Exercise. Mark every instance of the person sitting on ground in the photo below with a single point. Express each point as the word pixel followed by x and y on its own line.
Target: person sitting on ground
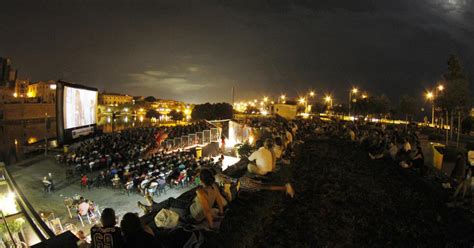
pixel 269 146
pixel 134 233
pixel 251 185
pixel 107 235
pixel 352 135
pixel 261 161
pixel 201 208
pixel 465 184
pixel 406 145
pixel 278 148
pixel 419 159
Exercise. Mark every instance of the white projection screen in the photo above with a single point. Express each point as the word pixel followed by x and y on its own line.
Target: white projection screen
pixel 80 107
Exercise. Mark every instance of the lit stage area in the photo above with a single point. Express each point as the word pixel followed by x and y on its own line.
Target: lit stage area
pixel 228 161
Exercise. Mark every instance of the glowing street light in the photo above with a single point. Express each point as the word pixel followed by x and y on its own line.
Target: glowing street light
pixel 353 91
pixel 302 100
pixel 440 87
pixel 265 99
pixel 328 99
pixel 311 93
pixel 429 95
pixel 282 98
pixel 364 96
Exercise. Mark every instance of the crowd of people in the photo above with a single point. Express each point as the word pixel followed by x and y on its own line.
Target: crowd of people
pixel 134 160
pixel 274 146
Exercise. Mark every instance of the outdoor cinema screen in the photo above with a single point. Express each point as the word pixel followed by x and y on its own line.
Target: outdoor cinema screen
pixel 80 107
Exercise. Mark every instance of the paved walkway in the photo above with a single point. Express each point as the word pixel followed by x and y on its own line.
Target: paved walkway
pixel 29 179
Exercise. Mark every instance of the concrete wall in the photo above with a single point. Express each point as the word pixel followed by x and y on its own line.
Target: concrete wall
pixel 27 111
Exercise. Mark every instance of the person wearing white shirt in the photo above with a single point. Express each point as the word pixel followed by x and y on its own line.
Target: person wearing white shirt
pixel 263 161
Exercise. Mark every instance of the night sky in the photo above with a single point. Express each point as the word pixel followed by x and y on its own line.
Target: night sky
pixel 196 51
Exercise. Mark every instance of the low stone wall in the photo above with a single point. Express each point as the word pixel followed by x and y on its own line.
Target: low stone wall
pixel 26 111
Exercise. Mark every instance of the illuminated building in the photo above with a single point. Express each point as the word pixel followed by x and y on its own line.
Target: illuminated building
pixel 44 92
pixel 114 99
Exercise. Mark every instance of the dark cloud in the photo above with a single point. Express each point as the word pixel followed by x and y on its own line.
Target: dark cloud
pixel 197 50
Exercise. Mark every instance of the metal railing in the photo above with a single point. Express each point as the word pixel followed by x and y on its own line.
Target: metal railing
pixel 32 217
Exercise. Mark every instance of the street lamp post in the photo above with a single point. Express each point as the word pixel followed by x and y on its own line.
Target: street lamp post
pixel 438 89
pixel 305 102
pixel 328 99
pixel 351 92
pixel 430 97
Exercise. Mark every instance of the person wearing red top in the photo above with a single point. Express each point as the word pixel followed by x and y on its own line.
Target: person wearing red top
pixel 84 181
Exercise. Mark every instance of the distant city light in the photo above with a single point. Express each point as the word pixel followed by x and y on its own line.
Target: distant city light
pixel 355 90
pixel 52 86
pixel 441 87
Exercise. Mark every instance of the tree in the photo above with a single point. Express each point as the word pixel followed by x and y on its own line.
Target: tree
pixel 215 111
pixel 176 116
pixel 150 99
pixel 379 105
pixel 340 109
pixel 408 106
pixel 375 105
pixel 151 113
pixel 318 107
pixel 361 106
pixel 251 110
pixel 456 93
pixel 455 97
